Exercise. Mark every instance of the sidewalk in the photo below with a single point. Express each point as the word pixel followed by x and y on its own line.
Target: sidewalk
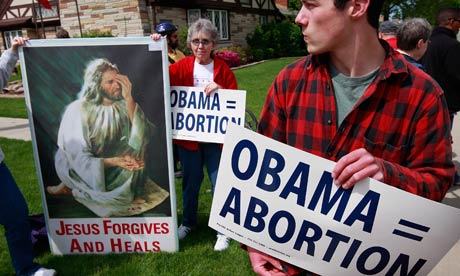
pixel 449 265
pixel 15 128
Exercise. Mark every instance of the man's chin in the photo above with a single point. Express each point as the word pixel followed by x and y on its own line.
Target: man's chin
pixel 315 50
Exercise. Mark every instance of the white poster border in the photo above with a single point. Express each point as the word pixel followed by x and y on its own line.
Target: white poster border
pixel 170 238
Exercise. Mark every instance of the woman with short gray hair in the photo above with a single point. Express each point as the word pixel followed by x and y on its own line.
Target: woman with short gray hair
pixel 203 69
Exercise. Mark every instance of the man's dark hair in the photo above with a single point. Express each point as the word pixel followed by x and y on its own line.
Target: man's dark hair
pixel 373 12
pixel 445 14
pixel 411 31
pixel 62 33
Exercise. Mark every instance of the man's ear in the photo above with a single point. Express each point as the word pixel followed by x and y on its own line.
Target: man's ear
pixel 419 43
pixel 358 8
pixel 450 23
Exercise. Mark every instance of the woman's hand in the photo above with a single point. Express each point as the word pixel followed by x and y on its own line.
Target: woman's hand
pixel 18 41
pixel 211 87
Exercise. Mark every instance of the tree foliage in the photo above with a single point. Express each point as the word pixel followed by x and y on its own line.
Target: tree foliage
pixel 294 5
pixel 276 39
pixel 401 9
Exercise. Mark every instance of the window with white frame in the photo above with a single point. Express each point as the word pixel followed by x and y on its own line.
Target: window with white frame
pixel 193 15
pixel 220 19
pixel 9 35
pixel 40 12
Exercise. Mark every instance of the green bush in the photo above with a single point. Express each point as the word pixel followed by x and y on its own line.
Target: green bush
pixel 276 39
pixel 183 41
pixel 17 74
pixel 269 53
pixel 257 54
pixel 97 33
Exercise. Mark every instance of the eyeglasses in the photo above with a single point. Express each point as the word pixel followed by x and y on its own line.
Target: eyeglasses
pixel 197 42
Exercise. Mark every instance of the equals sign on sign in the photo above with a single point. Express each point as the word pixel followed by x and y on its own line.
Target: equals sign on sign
pixel 410 226
pixel 231 104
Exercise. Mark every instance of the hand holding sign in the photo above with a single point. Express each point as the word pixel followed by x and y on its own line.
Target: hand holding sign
pixel 266 265
pixel 211 87
pixel 356 166
pixel 202 114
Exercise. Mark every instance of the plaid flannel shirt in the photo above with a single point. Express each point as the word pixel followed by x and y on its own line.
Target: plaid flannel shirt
pixel 402 119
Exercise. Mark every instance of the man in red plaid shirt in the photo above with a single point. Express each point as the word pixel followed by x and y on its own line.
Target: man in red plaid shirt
pixel 356 101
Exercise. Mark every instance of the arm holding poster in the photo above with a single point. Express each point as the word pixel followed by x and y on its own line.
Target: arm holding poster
pixel 13 207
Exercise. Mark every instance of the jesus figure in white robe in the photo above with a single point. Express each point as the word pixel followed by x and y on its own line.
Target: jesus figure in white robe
pixel 101 143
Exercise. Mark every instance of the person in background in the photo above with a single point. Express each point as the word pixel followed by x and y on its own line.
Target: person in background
pixel 203 69
pixel 169 30
pixel 413 38
pixel 374 114
pixel 442 60
pixel 172 37
pixel 14 213
pixel 387 32
pixel 62 33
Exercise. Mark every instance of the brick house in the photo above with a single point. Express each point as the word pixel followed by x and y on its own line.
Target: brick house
pixel 235 19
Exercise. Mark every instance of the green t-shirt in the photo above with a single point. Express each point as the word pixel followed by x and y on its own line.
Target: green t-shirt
pixel 348 90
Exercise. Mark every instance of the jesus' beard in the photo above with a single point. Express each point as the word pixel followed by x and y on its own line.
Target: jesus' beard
pixel 112 97
pixel 107 125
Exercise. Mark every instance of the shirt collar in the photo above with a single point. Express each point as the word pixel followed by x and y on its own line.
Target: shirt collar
pixel 394 62
pixel 444 30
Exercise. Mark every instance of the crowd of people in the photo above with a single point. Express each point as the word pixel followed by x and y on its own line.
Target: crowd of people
pixel 434 50
pixel 402 77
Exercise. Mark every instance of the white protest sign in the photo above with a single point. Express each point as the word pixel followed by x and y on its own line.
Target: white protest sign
pixel 202 118
pixel 282 201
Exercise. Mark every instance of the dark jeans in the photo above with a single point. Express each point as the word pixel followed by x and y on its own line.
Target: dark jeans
pixel 14 216
pixel 192 163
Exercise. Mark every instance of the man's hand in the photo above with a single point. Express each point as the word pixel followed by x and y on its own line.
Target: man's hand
pixel 18 41
pixel 155 36
pixel 356 166
pixel 125 85
pixel 126 162
pixel 265 265
pixel 211 87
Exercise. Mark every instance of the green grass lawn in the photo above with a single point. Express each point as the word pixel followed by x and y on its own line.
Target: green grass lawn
pixel 14 108
pixel 257 79
pixel 196 255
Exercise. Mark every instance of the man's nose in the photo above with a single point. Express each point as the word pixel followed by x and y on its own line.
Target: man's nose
pixel 301 18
